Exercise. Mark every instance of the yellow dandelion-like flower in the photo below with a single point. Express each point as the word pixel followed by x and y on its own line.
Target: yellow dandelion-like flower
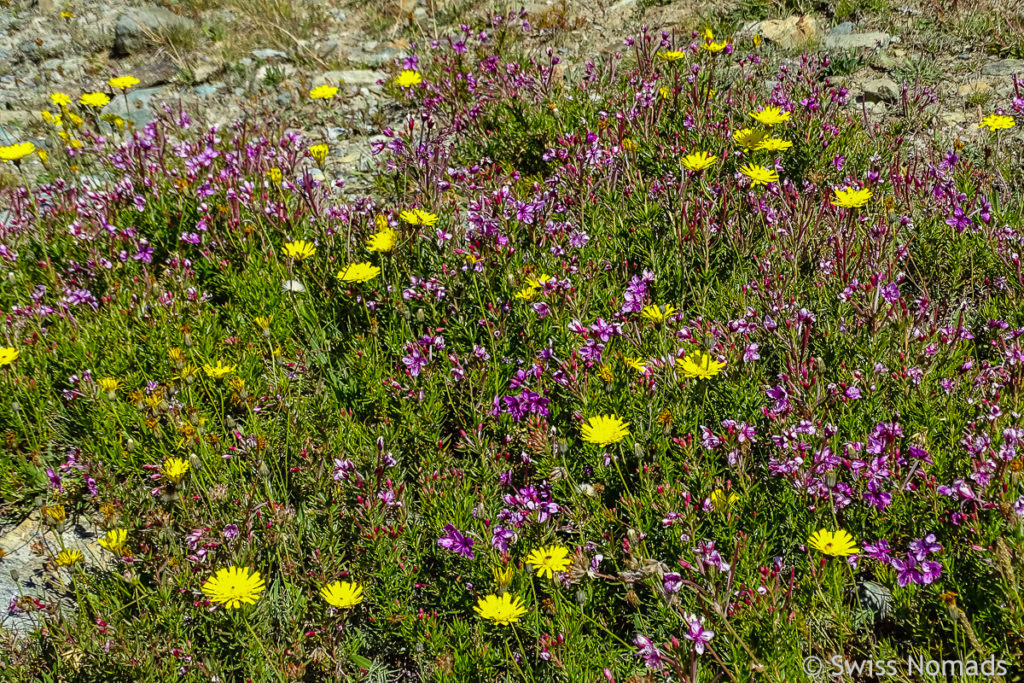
pixel 851 198
pixel 323 92
pixel 773 145
pixel 503 610
pixel 175 469
pixel 672 55
pixel 759 175
pixel 418 217
pixel 299 250
pixel 359 272
pixel 69 558
pixel 8 355
pixel 698 161
pixel 628 145
pixel 723 501
pixel 274 175
pixel 549 560
pixel 95 99
pixel 382 242
pixel 715 47
pixel 526 293
pixel 54 514
pixel 114 540
pixel 996 122
pixel 234 586
pixel 219 370
pixel 769 116
pixel 657 314
pixel 123 82
pixel 665 91
pixel 637 364
pixel 263 321
pixel 503 577
pixel 319 152
pixel 836 544
pixel 408 78
pixel 604 430
pixel 43 156
pixel 109 384
pixel 699 365
pixel 342 594
pixel 60 99
pixel 16 152
pixel 749 138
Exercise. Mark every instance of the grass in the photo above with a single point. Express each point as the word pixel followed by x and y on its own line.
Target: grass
pixel 420 430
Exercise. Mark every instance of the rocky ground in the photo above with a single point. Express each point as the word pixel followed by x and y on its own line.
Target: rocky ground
pixel 223 60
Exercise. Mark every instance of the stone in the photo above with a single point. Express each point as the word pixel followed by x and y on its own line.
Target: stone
pixel 155 73
pixel 974 89
pixel 789 33
pixel 329 49
pixel 349 77
pixel 207 90
pixel 843 29
pixel 881 90
pixel 205 71
pixel 1004 67
pixel 135 29
pixel 23 572
pixel 857 41
pixel 138 108
pixel 267 54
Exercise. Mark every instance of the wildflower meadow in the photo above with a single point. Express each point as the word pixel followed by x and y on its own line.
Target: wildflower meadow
pixel 675 367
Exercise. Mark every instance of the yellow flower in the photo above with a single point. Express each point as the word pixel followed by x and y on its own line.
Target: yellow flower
pixel 672 55
pixel 176 355
pixel 418 217
pixel 408 78
pixel 503 610
pixel 628 145
pixel 721 501
pixel 299 250
pixel 342 594
pixel 770 116
pixel 757 40
pixel 323 92
pixel 16 152
pixel 67 15
pixel 656 313
pixel 175 469
pixel 95 99
pixel 219 370
pixel 54 514
pixel 547 561
pixel 234 586
pixel 604 430
pixel 698 161
pixel 708 33
pixel 359 272
pixel 637 364
pixel 43 156
pixel 665 91
pixel 319 152
pixel 851 198
pixel 526 293
pixel 123 82
pixel 715 47
pixel 60 99
pixel 274 174
pixel 748 138
pixel 263 321
pixel 996 122
pixel 114 540
pixel 700 365
pixel 838 544
pixel 759 175
pixel 503 577
pixel 773 145
pixel 68 558
pixel 8 355
pixel 383 241
pixel 109 384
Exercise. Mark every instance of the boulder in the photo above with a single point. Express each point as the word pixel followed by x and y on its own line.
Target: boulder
pixel 790 33
pixel 881 90
pixel 136 29
pixel 857 41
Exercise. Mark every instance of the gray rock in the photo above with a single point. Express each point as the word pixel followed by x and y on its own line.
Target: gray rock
pixel 268 54
pixel 857 41
pixel 139 108
pixel 843 29
pixel 1003 67
pixel 350 77
pixel 329 49
pixel 207 90
pixel 790 33
pixel 881 90
pixel 135 29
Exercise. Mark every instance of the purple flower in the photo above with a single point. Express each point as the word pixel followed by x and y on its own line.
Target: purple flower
pixel 646 649
pixel 456 542
pixel 922 547
pixel 230 532
pixel 697 634
pixel 673 583
pixel 500 537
